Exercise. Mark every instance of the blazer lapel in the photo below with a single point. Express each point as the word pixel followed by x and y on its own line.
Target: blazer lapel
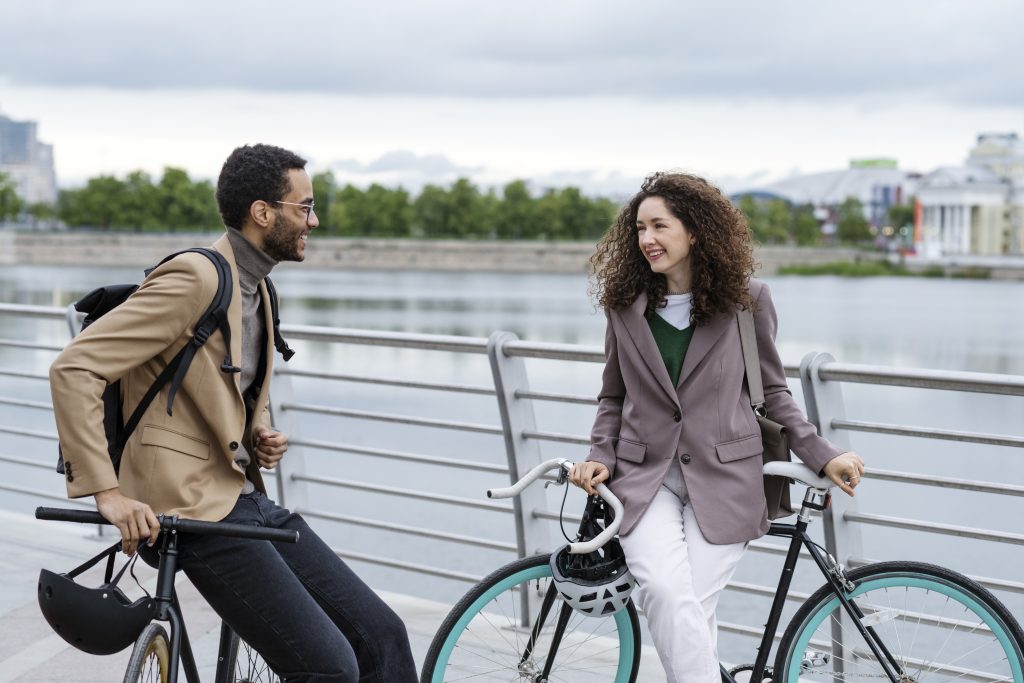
pixel 703 341
pixel 640 334
pixel 269 348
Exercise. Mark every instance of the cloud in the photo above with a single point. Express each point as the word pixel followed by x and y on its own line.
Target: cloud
pixel 729 50
pixel 405 161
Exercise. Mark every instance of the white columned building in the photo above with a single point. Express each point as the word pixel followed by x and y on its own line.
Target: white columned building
pixel 975 208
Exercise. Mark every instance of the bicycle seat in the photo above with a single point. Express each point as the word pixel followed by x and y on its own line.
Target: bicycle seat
pixel 799 472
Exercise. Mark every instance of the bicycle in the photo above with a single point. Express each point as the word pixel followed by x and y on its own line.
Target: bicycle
pixel 156 655
pixel 907 622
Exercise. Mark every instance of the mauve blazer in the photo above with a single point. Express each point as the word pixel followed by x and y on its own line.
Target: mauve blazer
pixel 705 422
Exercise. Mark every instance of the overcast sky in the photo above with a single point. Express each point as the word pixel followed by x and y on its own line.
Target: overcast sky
pixel 561 92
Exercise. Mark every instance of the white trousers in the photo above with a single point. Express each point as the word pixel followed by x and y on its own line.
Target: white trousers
pixel 680 576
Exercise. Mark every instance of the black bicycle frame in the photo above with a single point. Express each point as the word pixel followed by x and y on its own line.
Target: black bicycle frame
pixel 169 610
pixel 797 533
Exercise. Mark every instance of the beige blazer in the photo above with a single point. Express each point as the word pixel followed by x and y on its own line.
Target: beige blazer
pixel 181 465
pixel 705 422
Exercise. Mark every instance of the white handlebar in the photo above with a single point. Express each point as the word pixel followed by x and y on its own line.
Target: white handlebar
pixel 602 490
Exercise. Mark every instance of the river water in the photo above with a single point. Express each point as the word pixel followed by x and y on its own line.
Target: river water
pixel 905 322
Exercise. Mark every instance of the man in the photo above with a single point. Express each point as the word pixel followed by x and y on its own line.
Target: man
pixel 298 605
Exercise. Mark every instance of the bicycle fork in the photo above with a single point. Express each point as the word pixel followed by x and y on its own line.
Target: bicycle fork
pixel 556 638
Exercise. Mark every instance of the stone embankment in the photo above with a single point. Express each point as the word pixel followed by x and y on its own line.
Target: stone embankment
pixel 141 250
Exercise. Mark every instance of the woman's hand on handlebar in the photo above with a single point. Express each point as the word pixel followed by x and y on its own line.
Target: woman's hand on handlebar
pixel 587 475
pixel 133 518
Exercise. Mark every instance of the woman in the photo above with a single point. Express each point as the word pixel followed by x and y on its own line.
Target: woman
pixel 675 436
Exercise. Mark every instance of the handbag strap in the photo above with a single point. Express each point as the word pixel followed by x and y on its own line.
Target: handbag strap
pixel 751 361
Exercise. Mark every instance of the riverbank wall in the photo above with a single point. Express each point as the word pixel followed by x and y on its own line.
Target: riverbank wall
pixel 141 250
pixel 114 249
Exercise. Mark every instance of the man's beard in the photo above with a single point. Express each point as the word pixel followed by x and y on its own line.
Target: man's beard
pixel 281 242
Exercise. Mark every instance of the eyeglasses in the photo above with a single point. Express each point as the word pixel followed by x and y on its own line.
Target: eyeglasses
pixel 307 207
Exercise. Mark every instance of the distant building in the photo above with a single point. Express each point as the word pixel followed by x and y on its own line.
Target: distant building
pixel 28 162
pixel 877 183
pixel 977 208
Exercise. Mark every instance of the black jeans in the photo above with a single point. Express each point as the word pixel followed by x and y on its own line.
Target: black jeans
pixel 307 614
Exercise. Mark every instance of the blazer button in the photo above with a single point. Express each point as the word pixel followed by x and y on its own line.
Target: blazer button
pixel 233 446
pixel 686 458
pixel 677 416
pixel 71 477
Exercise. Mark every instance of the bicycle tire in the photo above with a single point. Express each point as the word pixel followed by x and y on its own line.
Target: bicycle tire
pixel 460 645
pixel 150 658
pixel 938 624
pixel 247 666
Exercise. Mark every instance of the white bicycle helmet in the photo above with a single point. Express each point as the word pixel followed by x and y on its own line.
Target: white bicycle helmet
pixel 594 584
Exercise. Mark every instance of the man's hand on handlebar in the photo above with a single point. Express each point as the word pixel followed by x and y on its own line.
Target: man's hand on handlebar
pixel 587 475
pixel 133 518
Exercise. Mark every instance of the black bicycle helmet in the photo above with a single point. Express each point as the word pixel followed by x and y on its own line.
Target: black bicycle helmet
pixel 100 621
pixel 594 584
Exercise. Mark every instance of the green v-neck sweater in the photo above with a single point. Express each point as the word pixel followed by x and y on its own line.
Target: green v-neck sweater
pixel 672 344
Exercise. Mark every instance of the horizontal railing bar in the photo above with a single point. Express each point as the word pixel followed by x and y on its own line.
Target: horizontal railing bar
pixel 935 528
pixel 44 494
pixel 945 482
pixel 29 463
pixel 55 312
pixel 22 403
pixel 553 516
pixel 404 493
pixel 961 673
pixel 775 549
pixel 407 384
pixel 549 351
pixel 557 398
pixel 408 566
pixel 35 346
pixel 419 532
pixel 744 630
pixel 392 418
pixel 7 372
pixel 986 581
pixel 555 437
pixel 401 455
pixel 949 380
pixel 765 591
pixel 929 433
pixel 27 432
pixel 407 340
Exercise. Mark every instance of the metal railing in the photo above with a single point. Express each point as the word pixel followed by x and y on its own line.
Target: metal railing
pixel 519 444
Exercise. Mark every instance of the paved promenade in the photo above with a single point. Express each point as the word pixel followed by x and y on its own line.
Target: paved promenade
pixel 31 653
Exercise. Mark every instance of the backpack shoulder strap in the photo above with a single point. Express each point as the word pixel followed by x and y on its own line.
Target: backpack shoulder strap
pixel 279 341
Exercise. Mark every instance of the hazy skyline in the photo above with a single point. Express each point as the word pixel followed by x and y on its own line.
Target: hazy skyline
pixel 594 94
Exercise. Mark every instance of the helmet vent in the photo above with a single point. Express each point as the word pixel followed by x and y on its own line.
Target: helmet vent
pixel 589 597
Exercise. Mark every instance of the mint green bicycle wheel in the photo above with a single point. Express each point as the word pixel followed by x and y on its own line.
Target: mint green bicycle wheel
pixel 486 636
pixel 930 624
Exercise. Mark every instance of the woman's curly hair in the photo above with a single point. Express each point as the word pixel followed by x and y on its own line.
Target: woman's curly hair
pixel 721 258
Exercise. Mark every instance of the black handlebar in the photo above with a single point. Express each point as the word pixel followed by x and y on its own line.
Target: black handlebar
pixel 190 526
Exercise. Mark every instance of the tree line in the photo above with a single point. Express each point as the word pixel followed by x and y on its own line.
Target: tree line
pixel 460 211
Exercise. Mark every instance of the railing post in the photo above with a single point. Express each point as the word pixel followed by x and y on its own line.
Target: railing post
pixel 290 493
pixel 824 403
pixel 523 454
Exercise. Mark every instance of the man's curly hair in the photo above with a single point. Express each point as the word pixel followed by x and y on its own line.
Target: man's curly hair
pixel 252 173
pixel 721 258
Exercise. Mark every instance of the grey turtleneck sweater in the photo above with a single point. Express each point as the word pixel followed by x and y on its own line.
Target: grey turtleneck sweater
pixel 253 266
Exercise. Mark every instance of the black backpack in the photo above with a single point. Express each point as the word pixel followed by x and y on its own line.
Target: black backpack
pixel 102 300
